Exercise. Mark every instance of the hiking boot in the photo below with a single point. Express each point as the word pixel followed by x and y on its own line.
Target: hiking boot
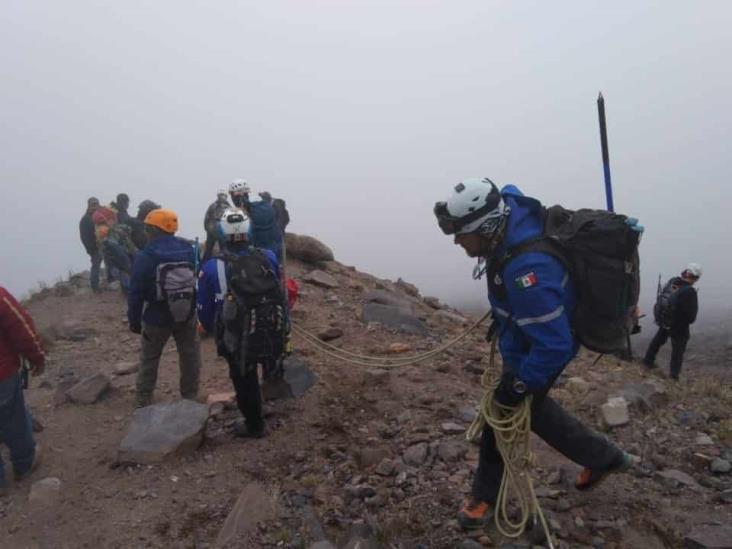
pixel 142 401
pixel 474 514
pixel 589 478
pixel 242 430
pixel 33 467
pixel 648 364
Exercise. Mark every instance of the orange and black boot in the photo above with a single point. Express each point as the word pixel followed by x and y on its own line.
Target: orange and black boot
pixel 589 478
pixel 474 514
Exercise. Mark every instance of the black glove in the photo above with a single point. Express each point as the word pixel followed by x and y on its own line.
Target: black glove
pixel 510 391
pixel 136 328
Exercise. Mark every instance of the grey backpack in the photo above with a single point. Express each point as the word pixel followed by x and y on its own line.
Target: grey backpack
pixel 175 283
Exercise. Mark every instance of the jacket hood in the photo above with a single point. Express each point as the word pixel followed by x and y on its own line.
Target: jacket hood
pixel 170 248
pixel 525 220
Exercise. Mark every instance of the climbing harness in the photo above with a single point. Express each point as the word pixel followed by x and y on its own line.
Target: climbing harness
pixel 384 362
pixel 511 427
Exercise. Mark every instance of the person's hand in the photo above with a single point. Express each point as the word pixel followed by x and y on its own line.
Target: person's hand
pixel 136 328
pixel 37 369
pixel 510 391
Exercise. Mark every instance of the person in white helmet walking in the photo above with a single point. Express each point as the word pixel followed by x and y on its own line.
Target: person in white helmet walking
pixel 675 310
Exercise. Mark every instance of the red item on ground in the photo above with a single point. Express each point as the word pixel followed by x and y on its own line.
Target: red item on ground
pixel 293 289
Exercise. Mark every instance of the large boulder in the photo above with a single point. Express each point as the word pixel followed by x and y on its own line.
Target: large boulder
pixel 393 317
pixel 307 249
pixel 89 390
pixel 158 431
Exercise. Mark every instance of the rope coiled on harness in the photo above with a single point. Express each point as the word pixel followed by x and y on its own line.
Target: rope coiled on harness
pixel 512 428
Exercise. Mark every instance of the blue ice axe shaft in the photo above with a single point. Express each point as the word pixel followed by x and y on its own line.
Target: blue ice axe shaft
pixel 605 154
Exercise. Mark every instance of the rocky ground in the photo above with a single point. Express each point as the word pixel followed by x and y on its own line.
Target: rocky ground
pixel 368 457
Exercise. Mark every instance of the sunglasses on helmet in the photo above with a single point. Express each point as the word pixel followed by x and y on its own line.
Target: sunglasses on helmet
pixel 451 224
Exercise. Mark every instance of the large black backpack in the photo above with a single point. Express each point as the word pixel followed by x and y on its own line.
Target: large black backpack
pixel 251 326
pixel 600 251
pixel 666 302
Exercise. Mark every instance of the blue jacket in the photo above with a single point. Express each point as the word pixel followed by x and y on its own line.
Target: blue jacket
pixel 264 232
pixel 535 337
pixel 142 293
pixel 212 287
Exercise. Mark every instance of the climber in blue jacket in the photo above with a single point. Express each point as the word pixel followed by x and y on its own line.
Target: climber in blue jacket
pixel 532 300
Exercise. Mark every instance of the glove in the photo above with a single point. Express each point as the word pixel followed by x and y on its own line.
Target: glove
pixel 510 391
pixel 136 328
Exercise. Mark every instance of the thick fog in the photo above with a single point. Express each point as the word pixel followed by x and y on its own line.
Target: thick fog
pixel 363 114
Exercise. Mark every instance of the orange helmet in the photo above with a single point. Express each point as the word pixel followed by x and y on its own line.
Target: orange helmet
pixel 164 219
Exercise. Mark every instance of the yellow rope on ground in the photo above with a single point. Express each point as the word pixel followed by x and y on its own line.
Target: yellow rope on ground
pixel 384 362
pixel 511 427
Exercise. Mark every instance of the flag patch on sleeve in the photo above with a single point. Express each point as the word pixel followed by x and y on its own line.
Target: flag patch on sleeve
pixel 526 281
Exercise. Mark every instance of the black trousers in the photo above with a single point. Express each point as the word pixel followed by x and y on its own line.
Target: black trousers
pixel 248 394
pixel 209 247
pixel 556 427
pixel 678 348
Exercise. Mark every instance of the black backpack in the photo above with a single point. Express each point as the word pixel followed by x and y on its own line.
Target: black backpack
pixel 600 251
pixel 251 325
pixel 666 301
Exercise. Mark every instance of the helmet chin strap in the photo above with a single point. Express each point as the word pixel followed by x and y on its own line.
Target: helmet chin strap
pixel 493 241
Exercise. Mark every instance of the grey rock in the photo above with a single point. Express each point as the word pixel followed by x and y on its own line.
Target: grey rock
pixel 89 389
pixel 467 414
pixel 416 454
pixel 709 536
pixel 451 450
pixel 433 302
pixel 368 457
pixel 298 378
pixel 645 396
pixel 375 376
pixel 615 412
pixel 321 278
pixel 307 249
pixel 726 496
pixel 385 468
pixel 73 330
pixel 407 288
pixel 158 431
pixel 450 428
pixel 703 439
pixel 254 505
pixel 443 316
pixel 674 478
pixel 124 368
pixel 393 317
pixel 720 466
pixel 330 333
pixel 385 297
pixel 45 492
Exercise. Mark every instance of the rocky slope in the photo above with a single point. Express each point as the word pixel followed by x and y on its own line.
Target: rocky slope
pixel 368 457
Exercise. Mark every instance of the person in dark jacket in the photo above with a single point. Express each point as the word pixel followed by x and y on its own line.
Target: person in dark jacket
pixel 211 222
pixel 18 342
pixel 532 301
pixel 684 306
pixel 139 238
pixel 156 314
pixel 212 289
pixel 89 241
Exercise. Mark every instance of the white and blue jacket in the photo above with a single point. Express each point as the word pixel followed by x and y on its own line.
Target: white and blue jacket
pixel 532 300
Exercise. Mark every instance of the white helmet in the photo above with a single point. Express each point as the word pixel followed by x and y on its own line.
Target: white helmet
pixel 234 225
pixel 239 186
pixel 474 206
pixel 694 270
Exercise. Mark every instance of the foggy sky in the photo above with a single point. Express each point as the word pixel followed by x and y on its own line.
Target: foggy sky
pixel 362 115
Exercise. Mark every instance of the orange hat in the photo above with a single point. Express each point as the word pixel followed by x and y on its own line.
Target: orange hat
pixel 164 219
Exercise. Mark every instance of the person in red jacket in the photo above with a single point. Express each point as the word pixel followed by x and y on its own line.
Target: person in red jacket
pixel 18 341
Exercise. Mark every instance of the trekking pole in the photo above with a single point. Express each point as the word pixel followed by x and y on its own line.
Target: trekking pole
pixel 605 154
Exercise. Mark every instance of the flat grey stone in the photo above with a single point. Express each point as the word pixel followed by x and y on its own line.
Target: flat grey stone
pixel 415 455
pixel 709 536
pixel 322 279
pixel 45 492
pixel 161 430
pixel 393 317
pixel 89 389
pixel 297 379
pixel 615 412
pixel 385 297
pixel 254 505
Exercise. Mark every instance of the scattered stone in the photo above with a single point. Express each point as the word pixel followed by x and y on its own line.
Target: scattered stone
pixel 331 333
pixel 385 297
pixel 720 466
pixel 433 302
pixel 452 450
pixel 307 249
pixel 45 492
pixel 443 316
pixel 72 330
pixel 125 368
pixel 253 506
pixel 416 454
pixel 158 431
pixel 368 457
pixel 726 496
pixel 450 428
pixel 577 385
pixel 393 317
pixel 375 376
pixel 321 278
pixel 385 468
pixel 407 288
pixel 222 398
pixel 675 478
pixel 89 389
pixel 615 412
pixel 467 414
pixel 398 348
pixel 645 396
pixel 703 439
pixel 709 536
pixel 297 380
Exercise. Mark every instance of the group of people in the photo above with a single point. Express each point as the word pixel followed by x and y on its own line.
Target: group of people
pixel 238 294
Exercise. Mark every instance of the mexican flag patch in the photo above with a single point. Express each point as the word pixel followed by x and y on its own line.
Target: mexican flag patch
pixel 526 281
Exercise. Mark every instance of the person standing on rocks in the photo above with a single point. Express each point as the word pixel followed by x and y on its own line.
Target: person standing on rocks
pixel 87 232
pixel 162 303
pixel 211 222
pixel 676 308
pixel 18 342
pixel 532 300
pixel 139 238
pixel 241 302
